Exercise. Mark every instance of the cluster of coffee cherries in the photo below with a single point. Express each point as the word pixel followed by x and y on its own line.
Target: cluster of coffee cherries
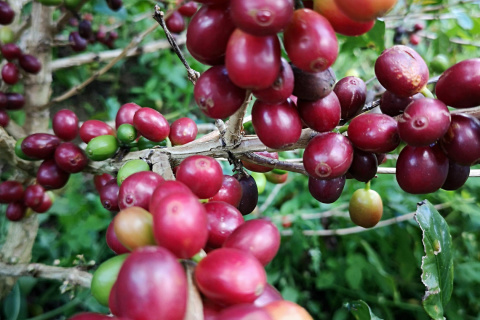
pixel 402 35
pixel 200 217
pixel 176 20
pixel 11 74
pixel 85 35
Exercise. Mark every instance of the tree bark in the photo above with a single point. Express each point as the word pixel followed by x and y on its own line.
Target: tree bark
pixel 21 235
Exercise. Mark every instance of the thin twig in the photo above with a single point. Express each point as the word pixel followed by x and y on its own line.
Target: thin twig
pixel 159 17
pixel 64 18
pixel 273 163
pixel 110 54
pixel 352 230
pixel 337 211
pixel 74 276
pixel 77 89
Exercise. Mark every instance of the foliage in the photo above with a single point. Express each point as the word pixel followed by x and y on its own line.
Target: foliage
pixel 382 266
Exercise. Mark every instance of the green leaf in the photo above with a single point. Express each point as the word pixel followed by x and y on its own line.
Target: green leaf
pixel 437 264
pixel 11 304
pixel 361 311
pixel 374 39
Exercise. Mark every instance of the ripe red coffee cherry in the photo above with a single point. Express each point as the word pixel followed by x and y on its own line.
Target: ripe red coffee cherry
pixel 424 122
pixel 364 165
pixel 281 89
pixel 222 220
pixel 326 191
pixel 261 18
pixel 202 174
pixel 188 9
pixel 180 224
pixel 11 191
pixel 11 51
pixel 458 85
pixel 94 128
pixel 10 74
pixel 15 101
pixel 126 113
pixel 461 143
pixel 65 124
pixel 352 93
pixel 421 169
pixel 29 63
pixel 70 157
pixel 101 180
pixel 259 237
pixel 257 167
pixel 230 191
pixel 109 195
pixel 175 22
pixel 164 189
pixel 183 131
pixel 216 95
pixel 137 189
pixel 322 115
pixel 15 211
pixel 208 33
pixel 365 10
pixel 457 176
pixel 270 121
pixel 230 276
pixel 374 132
pixel 245 72
pixel 3 101
pixel 151 285
pixel 34 195
pixel 115 5
pixel 4 118
pixel 50 176
pixel 269 295
pixel 6 13
pixel 340 22
pixel 151 124
pixel 328 156
pixel 310 41
pixel 46 204
pixel 402 71
pixel 40 145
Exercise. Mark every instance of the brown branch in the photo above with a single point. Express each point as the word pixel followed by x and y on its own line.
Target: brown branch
pixel 273 163
pixel 77 89
pixel 73 276
pixel 159 17
pixel 233 133
pixel 111 54
pixel 352 230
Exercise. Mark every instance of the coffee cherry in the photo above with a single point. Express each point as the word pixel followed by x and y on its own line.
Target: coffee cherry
pixel 461 142
pixel 374 132
pixel 113 242
pixel 216 95
pixel 365 10
pixel 281 89
pixel 249 198
pixel 15 101
pixel 261 18
pixel 133 228
pixel 365 208
pixel 328 156
pixel 85 29
pixel 402 71
pixel 421 170
pixel 393 105
pixel 29 63
pixel 257 167
pixel 11 51
pixel 15 210
pixel 102 148
pixel 364 165
pixel 271 120
pixel 351 93
pixel 34 196
pixel 10 73
pixel 77 43
pixel 65 124
pixel 245 72
pixel 222 220
pixel 40 145
pixel 115 5
pixel 109 195
pixel 101 180
pixel 50 176
pixel 94 128
pixel 164 189
pixel 137 189
pixel 230 191
pixel 322 115
pixel 70 157
pixel 457 176
pixel 202 174
pixel 183 131
pixel 11 191
pixel 6 13
pixel 313 86
pixel 208 33
pixel 310 41
pixel 175 23
pixel 151 124
pixel 4 118
pixel 326 191
pixel 188 9
pixel 126 113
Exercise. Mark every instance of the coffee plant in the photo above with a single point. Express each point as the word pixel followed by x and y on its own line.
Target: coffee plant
pixel 229 159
